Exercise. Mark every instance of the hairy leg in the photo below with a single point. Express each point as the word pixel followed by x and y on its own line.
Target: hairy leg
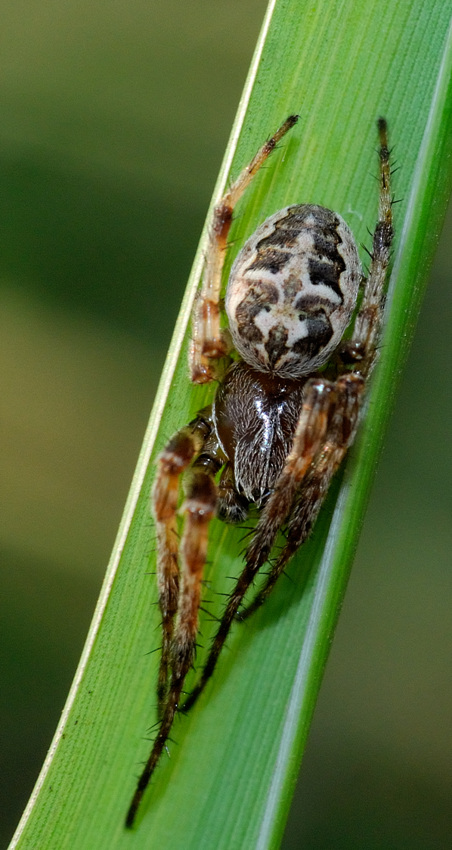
pixel 208 343
pixel 179 646
pixel 341 432
pixel 361 349
pixel 177 455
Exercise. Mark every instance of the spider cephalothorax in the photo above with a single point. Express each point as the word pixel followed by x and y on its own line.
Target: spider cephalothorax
pixel 277 429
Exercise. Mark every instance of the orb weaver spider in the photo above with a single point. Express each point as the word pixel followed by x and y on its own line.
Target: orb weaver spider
pixel 278 428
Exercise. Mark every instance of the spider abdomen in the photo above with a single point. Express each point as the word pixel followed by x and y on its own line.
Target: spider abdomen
pixel 292 290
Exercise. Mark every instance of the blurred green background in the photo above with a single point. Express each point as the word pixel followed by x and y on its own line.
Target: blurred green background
pixel 114 119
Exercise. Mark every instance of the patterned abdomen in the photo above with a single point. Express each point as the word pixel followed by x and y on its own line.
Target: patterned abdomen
pixel 292 290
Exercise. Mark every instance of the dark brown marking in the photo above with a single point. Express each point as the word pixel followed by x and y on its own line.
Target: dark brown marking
pixel 258 297
pixel 325 264
pixel 270 253
pixel 247 329
pixel 177 453
pixel 269 259
pixel 319 335
pixel 382 237
pixel 311 305
pixel 276 345
pixel 326 273
pixel 282 237
pixel 222 219
pixel 325 244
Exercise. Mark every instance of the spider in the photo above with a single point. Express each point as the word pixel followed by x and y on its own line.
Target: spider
pixel 278 428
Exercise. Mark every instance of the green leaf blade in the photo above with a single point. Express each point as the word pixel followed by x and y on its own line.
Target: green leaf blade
pixel 229 779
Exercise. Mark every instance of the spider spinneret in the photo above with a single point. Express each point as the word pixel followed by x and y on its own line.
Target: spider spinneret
pixel 277 428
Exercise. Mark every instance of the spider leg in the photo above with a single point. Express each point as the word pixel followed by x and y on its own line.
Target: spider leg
pixel 309 437
pixel 361 349
pixel 232 506
pixel 180 629
pixel 341 432
pixel 173 461
pixel 208 342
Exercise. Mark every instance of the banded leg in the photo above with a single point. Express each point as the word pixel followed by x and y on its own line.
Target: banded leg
pixel 207 342
pixel 309 438
pixel 173 461
pixel 198 510
pixel 362 347
pixel 309 500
